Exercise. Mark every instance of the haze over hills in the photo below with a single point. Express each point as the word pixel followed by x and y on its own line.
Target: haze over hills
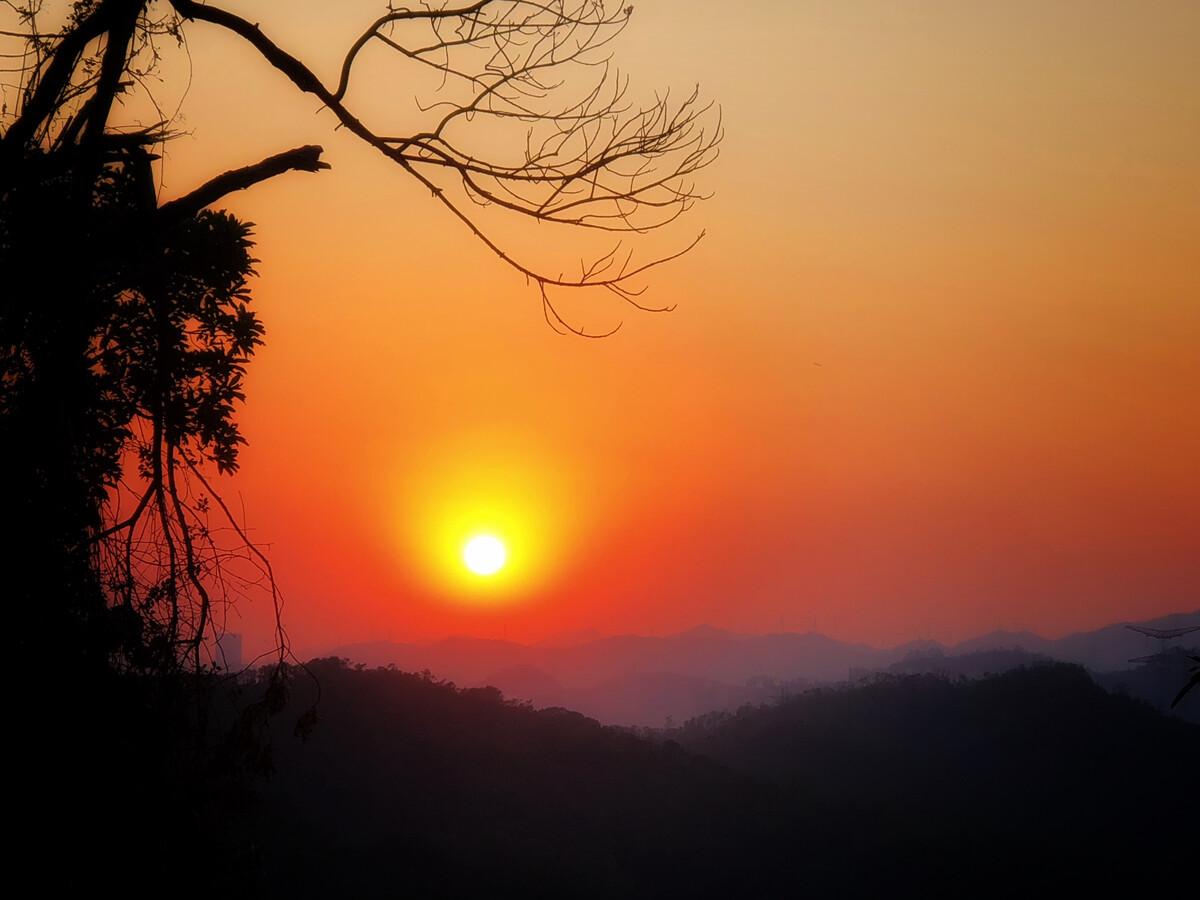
pixel 640 680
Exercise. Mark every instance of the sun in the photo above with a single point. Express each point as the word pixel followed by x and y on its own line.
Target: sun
pixel 486 519
pixel 484 554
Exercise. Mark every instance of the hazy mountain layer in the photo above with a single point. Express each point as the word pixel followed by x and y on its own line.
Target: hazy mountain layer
pixel 634 680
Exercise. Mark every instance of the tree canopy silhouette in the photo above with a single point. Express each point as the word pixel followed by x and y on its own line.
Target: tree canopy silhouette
pixel 126 322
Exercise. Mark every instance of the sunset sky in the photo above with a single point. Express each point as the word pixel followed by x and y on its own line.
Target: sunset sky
pixel 933 371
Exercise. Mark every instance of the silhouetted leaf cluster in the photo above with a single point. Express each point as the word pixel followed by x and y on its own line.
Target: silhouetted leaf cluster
pixel 120 340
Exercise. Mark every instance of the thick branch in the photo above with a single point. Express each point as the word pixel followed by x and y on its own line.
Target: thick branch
pixel 112 67
pixel 298 73
pixel 299 159
pixel 58 74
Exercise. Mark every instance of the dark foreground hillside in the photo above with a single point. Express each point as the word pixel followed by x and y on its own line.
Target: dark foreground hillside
pixel 1035 781
pixel 409 787
pixel 1036 773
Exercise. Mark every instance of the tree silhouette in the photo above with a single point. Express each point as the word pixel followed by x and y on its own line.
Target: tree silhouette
pixel 126 325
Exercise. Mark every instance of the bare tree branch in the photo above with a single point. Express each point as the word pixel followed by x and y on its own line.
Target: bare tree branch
pixel 593 160
pixel 299 159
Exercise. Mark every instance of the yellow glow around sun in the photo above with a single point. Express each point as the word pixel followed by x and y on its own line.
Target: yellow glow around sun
pixel 487 519
pixel 485 554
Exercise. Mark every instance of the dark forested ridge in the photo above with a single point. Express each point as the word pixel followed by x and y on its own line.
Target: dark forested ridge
pixel 1040 758
pixel 903 786
pixel 411 787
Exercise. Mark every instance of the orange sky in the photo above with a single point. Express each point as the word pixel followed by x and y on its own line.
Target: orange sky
pixel 933 371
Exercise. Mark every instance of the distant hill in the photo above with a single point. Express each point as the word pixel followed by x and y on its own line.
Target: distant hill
pixel 701 652
pixel 973 664
pixel 635 680
pixel 908 786
pixel 1103 650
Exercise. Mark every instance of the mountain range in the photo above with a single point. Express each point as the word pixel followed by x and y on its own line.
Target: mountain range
pixel 644 680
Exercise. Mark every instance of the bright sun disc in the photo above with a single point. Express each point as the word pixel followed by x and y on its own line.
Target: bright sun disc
pixel 485 554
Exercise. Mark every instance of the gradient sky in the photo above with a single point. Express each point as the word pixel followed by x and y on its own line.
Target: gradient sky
pixel 933 371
